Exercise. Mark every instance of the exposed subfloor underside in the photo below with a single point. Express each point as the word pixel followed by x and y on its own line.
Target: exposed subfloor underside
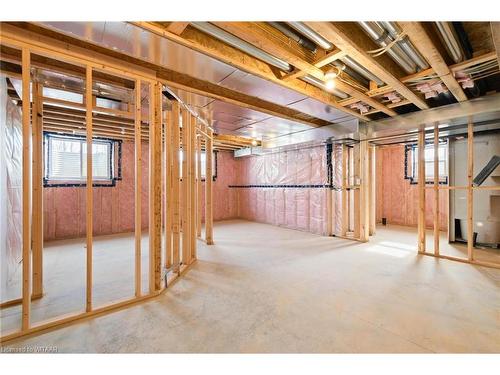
pixel 262 288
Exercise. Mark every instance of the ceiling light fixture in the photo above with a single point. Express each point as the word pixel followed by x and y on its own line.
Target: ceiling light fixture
pixel 330 77
pixel 254 142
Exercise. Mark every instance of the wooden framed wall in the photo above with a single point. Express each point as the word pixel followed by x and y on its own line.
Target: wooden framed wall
pixel 32 282
pixel 436 187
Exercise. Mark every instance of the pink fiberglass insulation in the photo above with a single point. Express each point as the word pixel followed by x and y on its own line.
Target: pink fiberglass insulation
pixel 397 198
pixel 113 207
pixel 296 207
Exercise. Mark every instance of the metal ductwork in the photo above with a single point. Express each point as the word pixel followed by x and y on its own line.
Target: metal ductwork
pixel 312 35
pixel 382 38
pixel 303 41
pixel 450 41
pixel 236 42
pixel 405 44
pixel 361 70
pixel 319 83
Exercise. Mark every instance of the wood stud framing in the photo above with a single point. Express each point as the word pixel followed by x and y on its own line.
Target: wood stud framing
pixel 138 188
pixel 89 119
pixel 436 189
pixel 421 191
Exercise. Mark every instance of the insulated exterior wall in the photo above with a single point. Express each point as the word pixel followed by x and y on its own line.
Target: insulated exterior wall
pixel 225 204
pixel 113 212
pixel 397 198
pixel 301 207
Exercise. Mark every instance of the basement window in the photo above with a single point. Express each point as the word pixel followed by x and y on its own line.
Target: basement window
pixel 411 163
pixel 66 160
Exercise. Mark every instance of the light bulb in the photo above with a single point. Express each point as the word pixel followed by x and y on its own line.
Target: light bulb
pixel 254 142
pixel 330 84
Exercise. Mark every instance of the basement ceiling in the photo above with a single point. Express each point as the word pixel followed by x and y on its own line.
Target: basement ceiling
pixel 229 118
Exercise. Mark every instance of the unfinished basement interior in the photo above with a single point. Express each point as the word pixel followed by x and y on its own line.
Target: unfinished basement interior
pixel 251 187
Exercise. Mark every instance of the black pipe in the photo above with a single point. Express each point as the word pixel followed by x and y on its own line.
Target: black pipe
pixel 303 41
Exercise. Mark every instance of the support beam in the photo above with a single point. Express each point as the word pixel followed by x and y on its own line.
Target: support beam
pixel 89 188
pixel 37 191
pixel 138 188
pixel 350 38
pixel 26 205
pixel 426 47
pixel 421 191
pixel 192 188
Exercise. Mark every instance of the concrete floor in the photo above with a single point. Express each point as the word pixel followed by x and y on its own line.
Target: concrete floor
pixel 267 289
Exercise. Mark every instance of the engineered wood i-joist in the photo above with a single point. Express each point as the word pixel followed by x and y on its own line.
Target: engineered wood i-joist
pixel 89 191
pixel 26 191
pixel 37 191
pixel 138 187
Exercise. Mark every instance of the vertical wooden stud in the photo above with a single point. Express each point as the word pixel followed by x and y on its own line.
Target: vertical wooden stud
pixel 470 192
pixel 26 206
pixel 168 189
pixel 208 189
pixel 364 211
pixel 176 218
pixel 199 186
pixel 436 189
pixel 186 124
pixel 138 187
pixel 155 147
pixel 357 190
pixel 89 188
pixel 192 188
pixel 372 193
pixel 37 190
pixel 421 191
pixel 344 196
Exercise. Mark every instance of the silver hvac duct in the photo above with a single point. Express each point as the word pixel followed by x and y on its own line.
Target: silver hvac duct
pixel 311 34
pixel 292 34
pixel 451 43
pixel 319 83
pixel 325 44
pixel 236 42
pixel 405 44
pixel 361 70
pixel 382 38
